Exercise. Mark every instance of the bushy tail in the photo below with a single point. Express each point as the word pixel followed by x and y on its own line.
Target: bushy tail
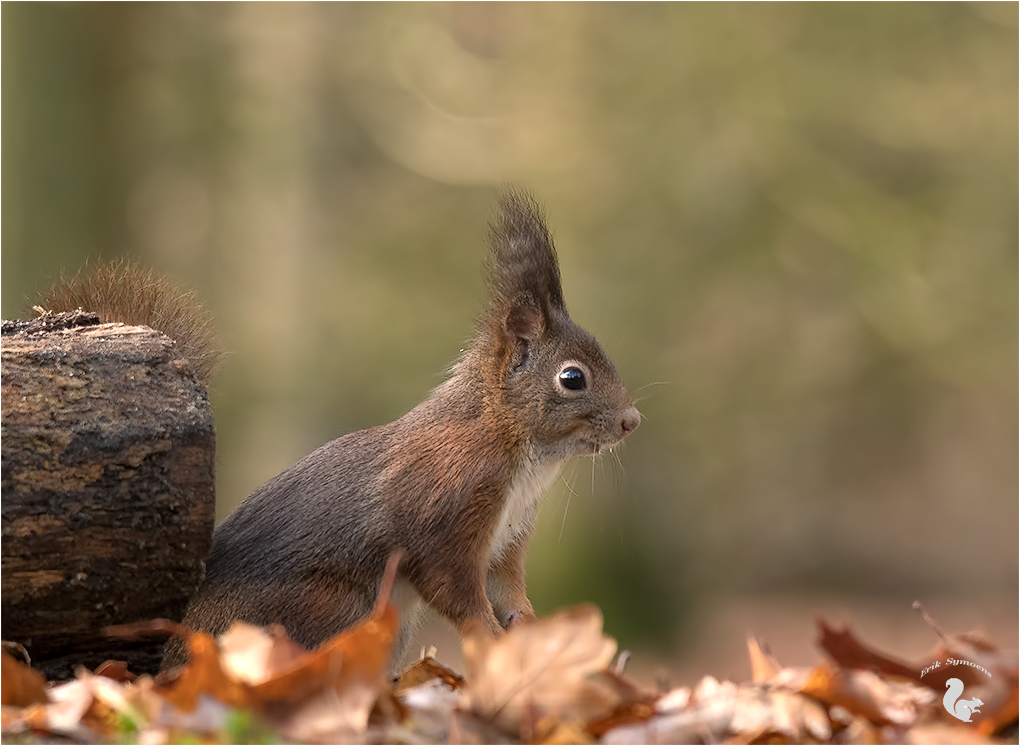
pixel 129 294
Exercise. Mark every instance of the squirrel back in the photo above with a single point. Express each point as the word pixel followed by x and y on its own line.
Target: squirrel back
pixel 122 292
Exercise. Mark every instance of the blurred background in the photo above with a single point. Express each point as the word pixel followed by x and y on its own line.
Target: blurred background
pixel 792 227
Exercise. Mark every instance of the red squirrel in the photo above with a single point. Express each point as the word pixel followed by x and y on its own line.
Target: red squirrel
pixel 454 484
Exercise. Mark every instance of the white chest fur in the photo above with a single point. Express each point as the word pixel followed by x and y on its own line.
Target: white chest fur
pixel 521 507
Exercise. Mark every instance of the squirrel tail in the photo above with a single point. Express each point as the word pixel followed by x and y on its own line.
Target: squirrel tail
pixel 127 293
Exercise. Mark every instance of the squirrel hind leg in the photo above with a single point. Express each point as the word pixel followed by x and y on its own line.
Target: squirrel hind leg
pixel 411 612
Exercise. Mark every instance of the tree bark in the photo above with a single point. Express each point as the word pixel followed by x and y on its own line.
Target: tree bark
pixel 107 482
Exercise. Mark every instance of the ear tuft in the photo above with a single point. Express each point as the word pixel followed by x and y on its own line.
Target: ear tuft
pixel 522 267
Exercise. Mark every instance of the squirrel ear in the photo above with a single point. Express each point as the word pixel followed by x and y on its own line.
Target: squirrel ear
pixel 524 322
pixel 523 272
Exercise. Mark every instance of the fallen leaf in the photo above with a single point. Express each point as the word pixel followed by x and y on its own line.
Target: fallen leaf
pixel 544 663
pixel 425 670
pixel 997 688
pixel 253 655
pixel 330 691
pixel 431 710
pixel 1006 715
pixel 846 651
pixel 763 665
pixel 943 733
pixel 987 673
pixel 866 694
pixel 204 675
pixel 20 686
pixel 70 702
pixel 760 712
pixel 636 703
pixel 622 715
pixel 116 670
pixel 860 731
pixel 17 651
pixel 705 718
pixel 565 734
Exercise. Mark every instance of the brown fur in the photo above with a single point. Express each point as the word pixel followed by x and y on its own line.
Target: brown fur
pixel 129 294
pixel 454 484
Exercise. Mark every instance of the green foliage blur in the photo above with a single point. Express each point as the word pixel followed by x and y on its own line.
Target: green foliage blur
pixel 793 227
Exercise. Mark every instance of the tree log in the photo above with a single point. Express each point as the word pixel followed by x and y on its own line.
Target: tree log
pixel 107 482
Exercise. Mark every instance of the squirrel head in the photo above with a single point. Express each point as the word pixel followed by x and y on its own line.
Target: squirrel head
pixel 545 377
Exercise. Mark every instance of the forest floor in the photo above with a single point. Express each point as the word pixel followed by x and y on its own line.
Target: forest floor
pixel 559 679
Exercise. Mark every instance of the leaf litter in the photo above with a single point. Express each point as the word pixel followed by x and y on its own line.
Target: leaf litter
pixel 548 681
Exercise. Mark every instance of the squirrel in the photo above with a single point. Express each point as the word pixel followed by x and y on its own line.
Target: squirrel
pixel 454 484
pixel 959 708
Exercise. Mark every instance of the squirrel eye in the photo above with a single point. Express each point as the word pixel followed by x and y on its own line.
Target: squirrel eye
pixel 572 379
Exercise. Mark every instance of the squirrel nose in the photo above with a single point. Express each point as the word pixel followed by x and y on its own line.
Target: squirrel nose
pixel 630 420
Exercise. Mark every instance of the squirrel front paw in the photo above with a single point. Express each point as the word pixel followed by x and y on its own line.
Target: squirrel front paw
pixel 515 616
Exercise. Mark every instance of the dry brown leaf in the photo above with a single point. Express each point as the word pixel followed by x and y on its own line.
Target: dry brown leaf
pixel 209 717
pixel 623 715
pixel 387 709
pixel 542 682
pixel 673 700
pixel 431 710
pixel 544 663
pixel 324 694
pixel 628 690
pixel 203 675
pixel 759 715
pixel 114 702
pixel 85 709
pixel 425 670
pixel 328 717
pixel 860 731
pixel 703 716
pixel 69 703
pixel 847 652
pixel 116 670
pixel 999 718
pixel 17 651
pixel 12 721
pixel 562 733
pixel 636 703
pixel 20 686
pixel 329 693
pixel 361 654
pixel 998 691
pixel 255 655
pixel 868 695
pixel 943 733
pixel 762 737
pixel 724 711
pixel 763 665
